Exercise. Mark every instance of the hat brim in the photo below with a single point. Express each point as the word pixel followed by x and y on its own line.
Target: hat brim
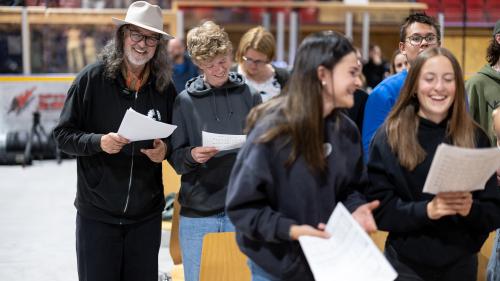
pixel 120 22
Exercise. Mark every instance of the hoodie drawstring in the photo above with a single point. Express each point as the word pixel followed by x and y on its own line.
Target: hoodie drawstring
pixel 217 118
pixel 228 103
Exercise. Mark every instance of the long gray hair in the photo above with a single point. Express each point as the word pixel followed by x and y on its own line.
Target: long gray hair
pixel 160 65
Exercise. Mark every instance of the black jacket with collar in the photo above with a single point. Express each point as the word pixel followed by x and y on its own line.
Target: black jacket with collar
pixel 115 188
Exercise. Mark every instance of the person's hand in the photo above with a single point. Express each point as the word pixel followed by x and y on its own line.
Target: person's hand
pixel 461 202
pixel 112 143
pixel 202 154
pixel 298 230
pixel 364 216
pixel 158 152
pixel 449 203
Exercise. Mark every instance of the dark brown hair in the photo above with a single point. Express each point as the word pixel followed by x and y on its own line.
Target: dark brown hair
pixel 302 102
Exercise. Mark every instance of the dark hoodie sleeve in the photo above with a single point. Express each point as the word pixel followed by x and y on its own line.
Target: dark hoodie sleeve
pixel 171 93
pixel 256 97
pixel 180 158
pixel 248 195
pixel 386 179
pixel 359 176
pixel 356 196
pixel 69 135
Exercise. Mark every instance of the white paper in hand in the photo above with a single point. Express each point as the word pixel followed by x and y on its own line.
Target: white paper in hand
pixel 348 255
pixel 136 127
pixel 461 169
pixel 222 141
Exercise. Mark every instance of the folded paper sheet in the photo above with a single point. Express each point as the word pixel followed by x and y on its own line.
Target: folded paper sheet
pixel 348 255
pixel 222 141
pixel 136 127
pixel 461 169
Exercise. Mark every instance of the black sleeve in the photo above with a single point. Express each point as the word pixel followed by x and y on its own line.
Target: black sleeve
pixel 282 76
pixel 386 184
pixel 171 95
pixel 69 133
pixel 247 201
pixel 180 158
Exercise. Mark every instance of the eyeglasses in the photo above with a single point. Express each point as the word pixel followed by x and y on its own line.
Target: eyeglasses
pixel 151 41
pixel 416 40
pixel 252 61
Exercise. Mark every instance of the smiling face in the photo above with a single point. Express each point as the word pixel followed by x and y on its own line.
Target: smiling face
pixel 340 83
pixel 436 88
pixel 216 71
pixel 138 53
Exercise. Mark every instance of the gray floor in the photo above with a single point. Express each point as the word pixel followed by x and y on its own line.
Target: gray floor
pixel 37 223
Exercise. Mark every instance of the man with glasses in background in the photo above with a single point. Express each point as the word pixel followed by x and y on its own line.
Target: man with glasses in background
pixel 119 197
pixel 418 33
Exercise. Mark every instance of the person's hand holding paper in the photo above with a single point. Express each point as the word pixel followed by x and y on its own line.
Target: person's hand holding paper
pixel 112 143
pixel 448 204
pixel 158 152
pixel 347 250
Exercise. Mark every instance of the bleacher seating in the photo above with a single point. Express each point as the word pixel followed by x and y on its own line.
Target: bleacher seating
pixel 475 12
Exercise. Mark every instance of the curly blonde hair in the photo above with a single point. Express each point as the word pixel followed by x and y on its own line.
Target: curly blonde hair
pixel 207 41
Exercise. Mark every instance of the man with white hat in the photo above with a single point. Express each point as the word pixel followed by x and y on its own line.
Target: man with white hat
pixel 119 186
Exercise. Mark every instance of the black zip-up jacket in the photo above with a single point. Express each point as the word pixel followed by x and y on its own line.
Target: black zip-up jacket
pixel 221 110
pixel 115 188
pixel 403 206
pixel 265 198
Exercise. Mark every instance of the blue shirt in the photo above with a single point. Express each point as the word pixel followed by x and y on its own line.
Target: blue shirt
pixel 183 72
pixel 378 106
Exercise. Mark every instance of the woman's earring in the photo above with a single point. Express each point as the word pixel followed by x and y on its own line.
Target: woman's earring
pixel 323 83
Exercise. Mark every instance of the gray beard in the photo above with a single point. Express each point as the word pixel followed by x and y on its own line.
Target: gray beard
pixel 137 62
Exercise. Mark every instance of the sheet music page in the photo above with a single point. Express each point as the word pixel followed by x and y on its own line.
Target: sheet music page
pixel 136 127
pixel 222 141
pixel 461 169
pixel 348 255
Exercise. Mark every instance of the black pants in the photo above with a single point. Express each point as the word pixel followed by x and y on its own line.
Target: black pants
pixel 464 269
pixel 109 252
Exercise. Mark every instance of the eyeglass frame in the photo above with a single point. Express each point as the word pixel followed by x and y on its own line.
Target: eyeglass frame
pixel 256 62
pixel 133 33
pixel 426 37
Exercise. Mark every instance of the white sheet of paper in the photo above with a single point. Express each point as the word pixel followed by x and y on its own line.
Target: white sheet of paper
pixel 136 127
pixel 461 169
pixel 222 141
pixel 348 255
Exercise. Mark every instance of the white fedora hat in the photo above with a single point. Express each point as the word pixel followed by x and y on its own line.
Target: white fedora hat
pixel 145 15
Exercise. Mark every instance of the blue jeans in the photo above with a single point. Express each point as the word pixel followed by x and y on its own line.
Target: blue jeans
pixel 493 270
pixel 191 233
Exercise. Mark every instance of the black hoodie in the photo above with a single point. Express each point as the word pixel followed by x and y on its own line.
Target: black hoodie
pixel 221 110
pixel 403 205
pixel 266 197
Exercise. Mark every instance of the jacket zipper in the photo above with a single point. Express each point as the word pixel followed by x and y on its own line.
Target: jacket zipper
pixel 131 172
